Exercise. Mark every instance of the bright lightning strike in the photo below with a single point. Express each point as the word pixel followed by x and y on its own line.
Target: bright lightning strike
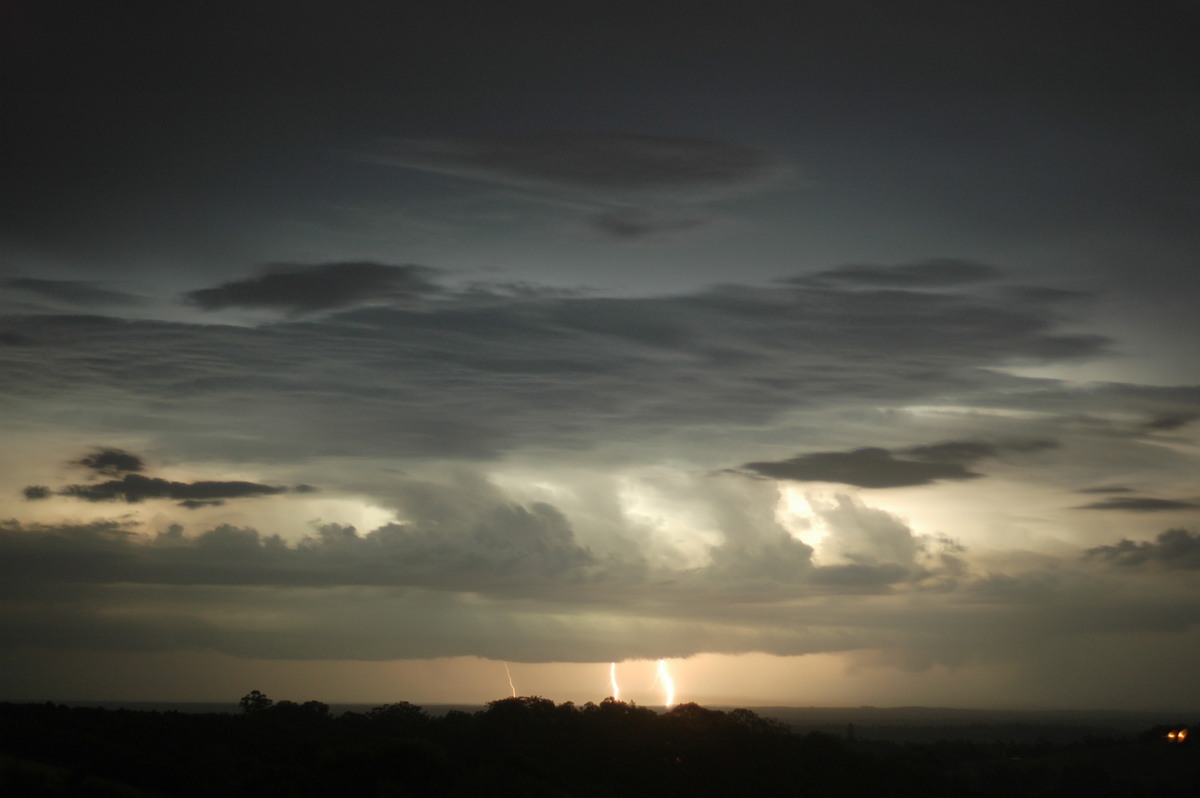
pixel 511 686
pixel 668 684
pixel 612 681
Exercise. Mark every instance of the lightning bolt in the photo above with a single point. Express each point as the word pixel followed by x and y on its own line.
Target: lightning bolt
pixel 511 686
pixel 612 681
pixel 662 675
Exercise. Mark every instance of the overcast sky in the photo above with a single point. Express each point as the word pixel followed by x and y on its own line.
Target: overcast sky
pixel 843 354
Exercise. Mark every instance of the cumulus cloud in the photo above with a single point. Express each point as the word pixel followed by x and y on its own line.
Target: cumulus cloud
pixel 298 288
pixel 868 536
pixel 509 581
pixel 484 542
pixel 500 549
pixel 1174 548
pixel 470 570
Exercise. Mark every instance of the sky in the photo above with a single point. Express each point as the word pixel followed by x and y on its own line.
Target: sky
pixel 839 354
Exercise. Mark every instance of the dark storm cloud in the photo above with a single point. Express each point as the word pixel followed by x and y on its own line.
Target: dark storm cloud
pixel 73 292
pixel 1107 489
pixel 112 462
pixel 858 576
pixel 501 549
pixel 467 536
pixel 640 225
pixel 1139 504
pixel 873 467
pixel 329 286
pixel 130 486
pixel 521 589
pixel 971 451
pixel 952 452
pixel 8 338
pixel 473 375
pixel 934 273
pixel 1174 548
pixel 1169 422
pixel 135 487
pixel 866 468
pixel 1129 398
pixel 196 504
pixel 1042 295
pixel 607 162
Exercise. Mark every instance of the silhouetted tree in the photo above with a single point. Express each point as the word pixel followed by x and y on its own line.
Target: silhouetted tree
pixel 254 701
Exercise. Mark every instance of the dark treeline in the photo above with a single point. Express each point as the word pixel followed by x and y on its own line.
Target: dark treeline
pixel 530 746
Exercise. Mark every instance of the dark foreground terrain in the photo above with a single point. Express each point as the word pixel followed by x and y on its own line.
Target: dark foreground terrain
pixel 533 747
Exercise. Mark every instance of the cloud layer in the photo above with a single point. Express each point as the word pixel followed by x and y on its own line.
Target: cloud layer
pixel 874 467
pixel 608 162
pixel 556 468
pixel 514 584
pixel 328 286
pixel 475 373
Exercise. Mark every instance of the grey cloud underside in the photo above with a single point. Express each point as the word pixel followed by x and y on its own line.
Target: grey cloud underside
pixel 1174 548
pixel 301 288
pixel 874 467
pixel 472 376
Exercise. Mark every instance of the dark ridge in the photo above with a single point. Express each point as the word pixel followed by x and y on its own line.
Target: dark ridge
pixel 531 746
